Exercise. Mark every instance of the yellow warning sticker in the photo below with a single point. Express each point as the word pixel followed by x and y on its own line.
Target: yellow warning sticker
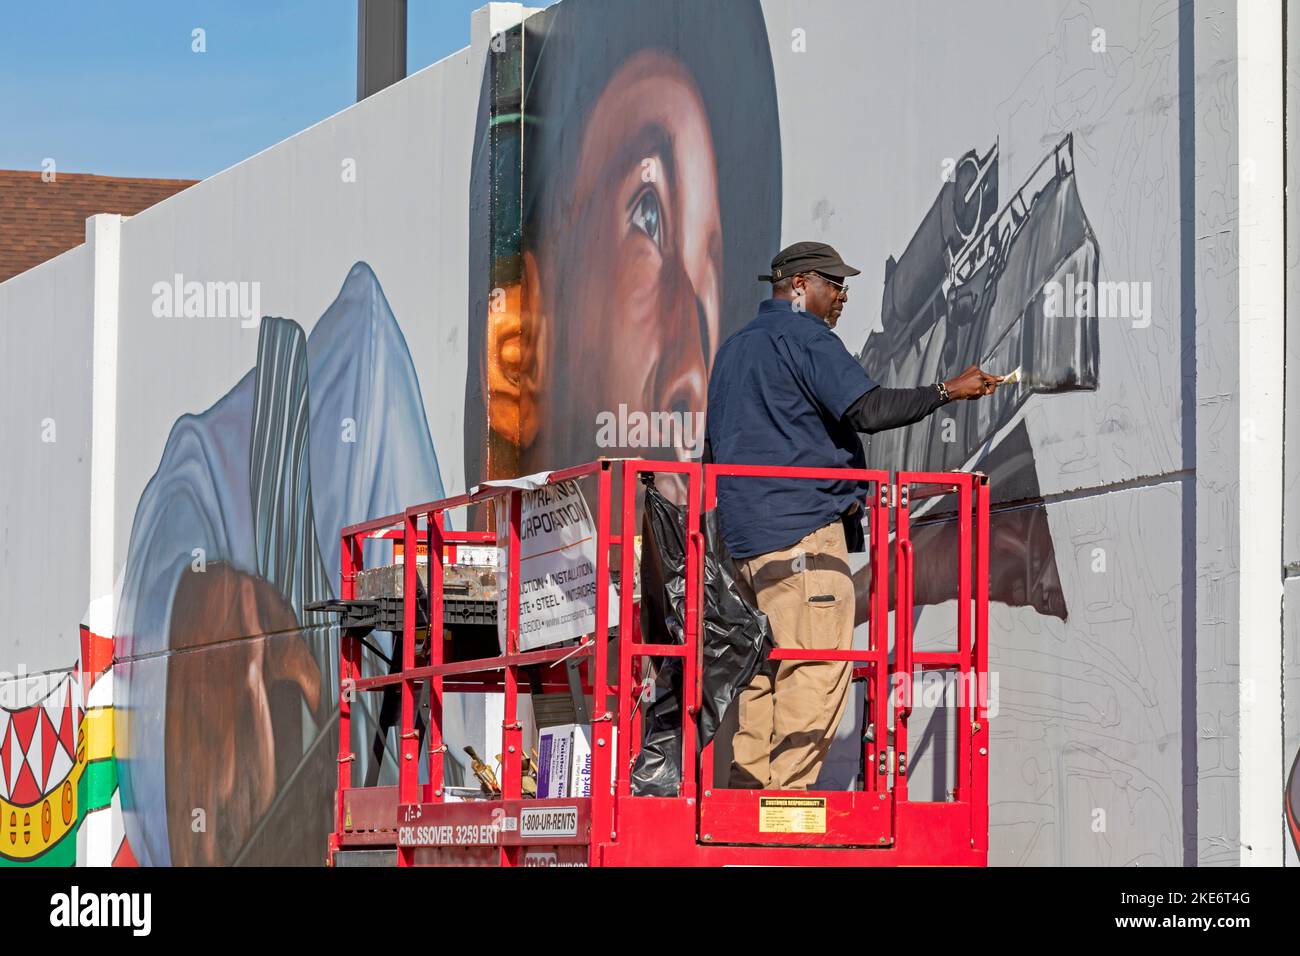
pixel 792 815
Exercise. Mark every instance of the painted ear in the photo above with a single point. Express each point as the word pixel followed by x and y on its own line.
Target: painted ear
pixel 516 345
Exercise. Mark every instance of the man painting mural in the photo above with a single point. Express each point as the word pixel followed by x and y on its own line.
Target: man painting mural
pixel 785 391
pixel 652 180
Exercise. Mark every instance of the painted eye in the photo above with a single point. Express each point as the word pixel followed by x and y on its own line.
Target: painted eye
pixel 646 216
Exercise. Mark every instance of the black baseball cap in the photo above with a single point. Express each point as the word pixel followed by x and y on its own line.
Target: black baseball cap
pixel 808 257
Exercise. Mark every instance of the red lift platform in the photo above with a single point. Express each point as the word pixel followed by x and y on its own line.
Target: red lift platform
pixel 705 824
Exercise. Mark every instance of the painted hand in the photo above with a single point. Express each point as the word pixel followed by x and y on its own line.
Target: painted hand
pixel 238 674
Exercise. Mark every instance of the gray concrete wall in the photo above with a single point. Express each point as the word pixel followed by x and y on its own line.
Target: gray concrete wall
pixel 45 431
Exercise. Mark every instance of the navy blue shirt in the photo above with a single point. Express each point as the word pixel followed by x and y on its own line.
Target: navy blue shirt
pixel 777 396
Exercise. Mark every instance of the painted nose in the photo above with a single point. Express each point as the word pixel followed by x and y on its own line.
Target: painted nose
pixel 681 384
pixel 684 389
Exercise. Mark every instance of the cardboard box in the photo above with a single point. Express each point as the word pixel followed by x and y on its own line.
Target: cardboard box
pixel 564 760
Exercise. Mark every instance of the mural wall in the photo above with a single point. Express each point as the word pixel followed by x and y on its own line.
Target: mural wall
pixel 456 279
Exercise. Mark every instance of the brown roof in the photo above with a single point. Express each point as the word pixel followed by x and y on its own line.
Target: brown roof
pixel 39 220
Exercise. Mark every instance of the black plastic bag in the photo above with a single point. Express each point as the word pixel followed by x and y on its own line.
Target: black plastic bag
pixel 736 639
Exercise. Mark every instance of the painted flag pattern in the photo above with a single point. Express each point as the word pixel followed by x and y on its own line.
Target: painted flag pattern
pixel 59 802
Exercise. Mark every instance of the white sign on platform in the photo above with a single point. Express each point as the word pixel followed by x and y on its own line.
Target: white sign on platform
pixel 557 566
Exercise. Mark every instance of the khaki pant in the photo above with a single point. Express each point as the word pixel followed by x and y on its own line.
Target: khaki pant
pixel 790 710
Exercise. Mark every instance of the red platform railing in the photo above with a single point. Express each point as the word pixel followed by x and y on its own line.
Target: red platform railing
pixel 703 824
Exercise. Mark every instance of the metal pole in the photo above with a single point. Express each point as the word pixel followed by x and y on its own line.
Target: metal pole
pixel 350 559
pixel 979 792
pixel 628 688
pixel 964 642
pixel 434 525
pixel 381 45
pixel 511 731
pixel 602 809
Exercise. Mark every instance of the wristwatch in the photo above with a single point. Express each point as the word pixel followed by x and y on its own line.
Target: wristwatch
pixel 942 389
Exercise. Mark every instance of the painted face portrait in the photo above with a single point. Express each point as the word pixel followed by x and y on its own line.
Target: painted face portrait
pixel 637 273
pixel 650 191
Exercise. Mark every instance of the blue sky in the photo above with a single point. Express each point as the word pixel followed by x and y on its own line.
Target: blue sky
pixel 113 87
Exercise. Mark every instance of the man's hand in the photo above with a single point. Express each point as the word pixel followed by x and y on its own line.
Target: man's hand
pixel 972 383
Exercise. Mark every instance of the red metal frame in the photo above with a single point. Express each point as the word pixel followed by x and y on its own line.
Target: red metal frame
pixel 704 825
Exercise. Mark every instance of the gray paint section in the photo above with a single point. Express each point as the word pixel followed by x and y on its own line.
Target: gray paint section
pixel 1291 459
pixel 1217 413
